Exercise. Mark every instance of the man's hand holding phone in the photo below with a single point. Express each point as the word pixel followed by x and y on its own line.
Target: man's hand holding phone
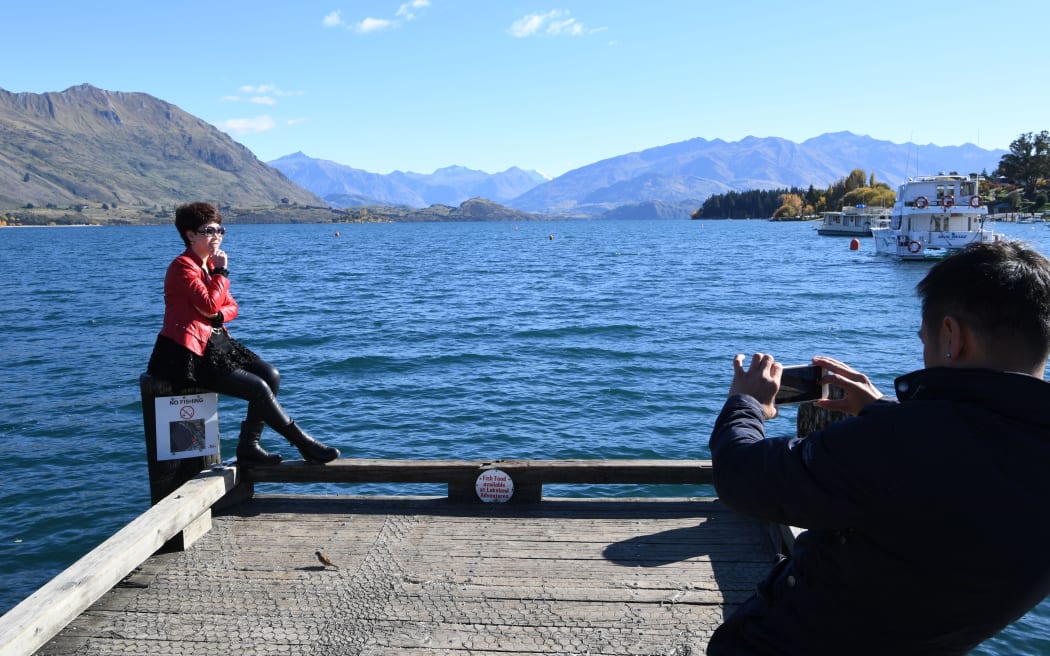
pixel 760 380
pixel 859 390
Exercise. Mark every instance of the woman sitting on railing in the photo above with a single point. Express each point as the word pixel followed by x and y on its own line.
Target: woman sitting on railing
pixel 195 349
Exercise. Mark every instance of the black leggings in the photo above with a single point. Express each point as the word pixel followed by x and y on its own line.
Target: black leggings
pixel 257 383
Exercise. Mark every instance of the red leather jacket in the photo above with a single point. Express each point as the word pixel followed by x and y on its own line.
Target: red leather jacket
pixel 187 286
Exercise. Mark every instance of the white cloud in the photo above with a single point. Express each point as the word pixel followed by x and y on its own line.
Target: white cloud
pixel 332 20
pixel 239 126
pixel 261 94
pixel 408 9
pixel 373 25
pixel 268 89
pixel 556 22
pixel 296 121
pixel 527 26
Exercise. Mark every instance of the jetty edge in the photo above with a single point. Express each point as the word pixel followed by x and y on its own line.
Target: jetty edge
pixel 41 615
pixel 178 520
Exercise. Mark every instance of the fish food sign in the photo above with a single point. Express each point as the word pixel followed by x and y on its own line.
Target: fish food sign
pixel 187 426
pixel 494 485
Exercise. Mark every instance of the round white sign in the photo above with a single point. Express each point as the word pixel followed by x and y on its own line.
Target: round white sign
pixel 494 485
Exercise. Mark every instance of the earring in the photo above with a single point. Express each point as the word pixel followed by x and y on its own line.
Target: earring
pixel 948 355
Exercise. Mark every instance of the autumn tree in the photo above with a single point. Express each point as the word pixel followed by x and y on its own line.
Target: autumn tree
pixel 1028 163
pixel 790 207
pixel 855 180
pixel 877 195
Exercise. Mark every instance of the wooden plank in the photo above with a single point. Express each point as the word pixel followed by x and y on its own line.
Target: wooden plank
pixel 430 577
pixel 43 614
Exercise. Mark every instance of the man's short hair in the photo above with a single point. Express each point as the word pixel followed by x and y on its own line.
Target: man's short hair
pixel 192 216
pixel 1001 290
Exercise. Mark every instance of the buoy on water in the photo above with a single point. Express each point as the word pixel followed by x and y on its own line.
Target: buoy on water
pixel 854 244
pixel 336 233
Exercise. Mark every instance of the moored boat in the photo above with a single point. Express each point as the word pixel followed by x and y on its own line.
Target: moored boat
pixel 933 216
pixel 853 221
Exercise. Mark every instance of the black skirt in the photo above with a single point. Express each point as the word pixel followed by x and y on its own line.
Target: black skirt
pixel 181 366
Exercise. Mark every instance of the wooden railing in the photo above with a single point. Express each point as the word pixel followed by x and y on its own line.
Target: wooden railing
pixel 461 476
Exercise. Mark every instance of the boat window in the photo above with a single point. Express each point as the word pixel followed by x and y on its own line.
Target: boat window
pixel 966 189
pixel 940 191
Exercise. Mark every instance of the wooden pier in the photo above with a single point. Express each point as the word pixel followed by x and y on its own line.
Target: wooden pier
pixel 415 575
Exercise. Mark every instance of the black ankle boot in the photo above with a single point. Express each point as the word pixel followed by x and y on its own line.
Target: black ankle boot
pixel 311 449
pixel 248 450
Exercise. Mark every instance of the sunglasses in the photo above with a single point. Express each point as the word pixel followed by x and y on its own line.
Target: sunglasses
pixel 212 231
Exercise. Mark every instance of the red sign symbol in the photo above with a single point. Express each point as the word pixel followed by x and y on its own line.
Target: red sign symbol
pixel 186 412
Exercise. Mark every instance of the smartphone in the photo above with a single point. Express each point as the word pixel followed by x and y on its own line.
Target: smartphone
pixel 801 383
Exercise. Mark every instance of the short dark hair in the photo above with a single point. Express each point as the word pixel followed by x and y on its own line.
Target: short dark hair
pixel 192 216
pixel 1001 290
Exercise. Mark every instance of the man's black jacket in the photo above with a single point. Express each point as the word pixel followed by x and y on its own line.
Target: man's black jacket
pixel 928 518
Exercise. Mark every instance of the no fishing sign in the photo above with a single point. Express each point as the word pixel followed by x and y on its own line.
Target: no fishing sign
pixel 187 426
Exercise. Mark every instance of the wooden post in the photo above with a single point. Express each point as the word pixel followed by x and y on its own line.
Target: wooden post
pixel 165 476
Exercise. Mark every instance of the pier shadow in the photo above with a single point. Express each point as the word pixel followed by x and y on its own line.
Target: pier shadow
pixel 658 549
pixel 738 549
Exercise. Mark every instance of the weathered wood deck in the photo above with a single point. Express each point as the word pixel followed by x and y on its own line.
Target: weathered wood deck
pixel 428 576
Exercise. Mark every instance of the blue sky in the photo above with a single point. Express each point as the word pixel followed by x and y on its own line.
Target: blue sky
pixel 552 85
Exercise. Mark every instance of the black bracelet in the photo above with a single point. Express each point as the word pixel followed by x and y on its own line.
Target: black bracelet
pixel 221 271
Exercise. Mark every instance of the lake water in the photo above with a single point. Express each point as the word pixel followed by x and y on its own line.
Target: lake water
pixel 450 340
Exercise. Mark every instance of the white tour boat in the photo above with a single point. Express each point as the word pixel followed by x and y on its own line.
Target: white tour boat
pixel 853 221
pixel 934 215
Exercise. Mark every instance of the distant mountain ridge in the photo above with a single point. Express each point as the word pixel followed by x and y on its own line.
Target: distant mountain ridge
pixel 655 183
pixel 343 186
pixel 86 144
pixel 695 169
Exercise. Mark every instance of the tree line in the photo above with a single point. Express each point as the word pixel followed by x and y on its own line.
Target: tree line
pixel 1021 182
pixel 857 188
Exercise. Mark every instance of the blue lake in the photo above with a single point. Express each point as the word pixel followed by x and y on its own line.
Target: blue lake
pixel 448 340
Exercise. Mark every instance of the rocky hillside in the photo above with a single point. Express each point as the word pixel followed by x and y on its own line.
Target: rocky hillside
pixel 474 209
pixel 88 145
pixel 653 210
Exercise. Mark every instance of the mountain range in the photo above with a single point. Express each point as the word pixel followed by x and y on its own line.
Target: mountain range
pixel 695 169
pixel 661 182
pixel 342 186
pixel 88 145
